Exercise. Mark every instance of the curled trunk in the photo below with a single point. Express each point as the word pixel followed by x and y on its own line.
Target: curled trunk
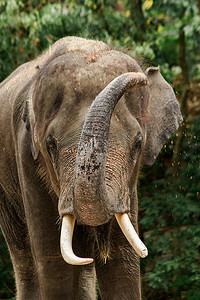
pixel 92 202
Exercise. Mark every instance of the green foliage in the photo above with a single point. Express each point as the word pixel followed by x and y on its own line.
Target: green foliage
pixel 27 27
pixel 170 220
pixel 16 36
pixel 24 31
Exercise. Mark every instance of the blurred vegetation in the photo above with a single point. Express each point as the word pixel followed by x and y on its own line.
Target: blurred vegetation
pixel 170 213
pixel 164 33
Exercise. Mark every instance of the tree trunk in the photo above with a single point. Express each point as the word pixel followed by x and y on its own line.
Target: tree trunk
pixel 198 4
pixel 183 104
pixel 138 18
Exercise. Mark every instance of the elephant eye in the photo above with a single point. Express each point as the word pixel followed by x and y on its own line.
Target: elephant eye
pixel 136 147
pixel 52 148
pixel 138 142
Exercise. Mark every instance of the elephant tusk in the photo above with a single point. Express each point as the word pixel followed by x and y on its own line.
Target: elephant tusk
pixel 131 235
pixel 67 229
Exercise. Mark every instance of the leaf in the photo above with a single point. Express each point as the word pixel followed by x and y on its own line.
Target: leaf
pixel 147 5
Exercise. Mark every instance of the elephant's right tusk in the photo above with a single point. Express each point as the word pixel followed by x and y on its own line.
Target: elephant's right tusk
pixel 67 229
pixel 131 235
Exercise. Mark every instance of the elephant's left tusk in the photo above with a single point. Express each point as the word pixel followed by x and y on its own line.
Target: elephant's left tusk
pixel 67 229
pixel 131 235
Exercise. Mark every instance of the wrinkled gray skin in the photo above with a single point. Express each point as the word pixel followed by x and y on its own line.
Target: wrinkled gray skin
pixel 43 107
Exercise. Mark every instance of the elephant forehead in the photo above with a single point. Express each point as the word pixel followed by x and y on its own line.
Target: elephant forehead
pixel 72 81
pixel 86 68
pixel 104 68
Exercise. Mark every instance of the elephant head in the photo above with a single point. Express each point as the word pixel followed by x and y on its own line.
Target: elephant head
pixel 94 116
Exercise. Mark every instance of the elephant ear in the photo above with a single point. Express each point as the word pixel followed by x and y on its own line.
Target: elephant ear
pixel 29 119
pixel 164 115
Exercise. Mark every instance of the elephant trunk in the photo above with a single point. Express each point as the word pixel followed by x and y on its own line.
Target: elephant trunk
pixel 92 203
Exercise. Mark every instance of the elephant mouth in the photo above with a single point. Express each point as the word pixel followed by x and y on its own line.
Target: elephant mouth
pixel 67 229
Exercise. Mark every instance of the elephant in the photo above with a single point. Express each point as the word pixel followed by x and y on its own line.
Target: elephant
pixel 76 124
